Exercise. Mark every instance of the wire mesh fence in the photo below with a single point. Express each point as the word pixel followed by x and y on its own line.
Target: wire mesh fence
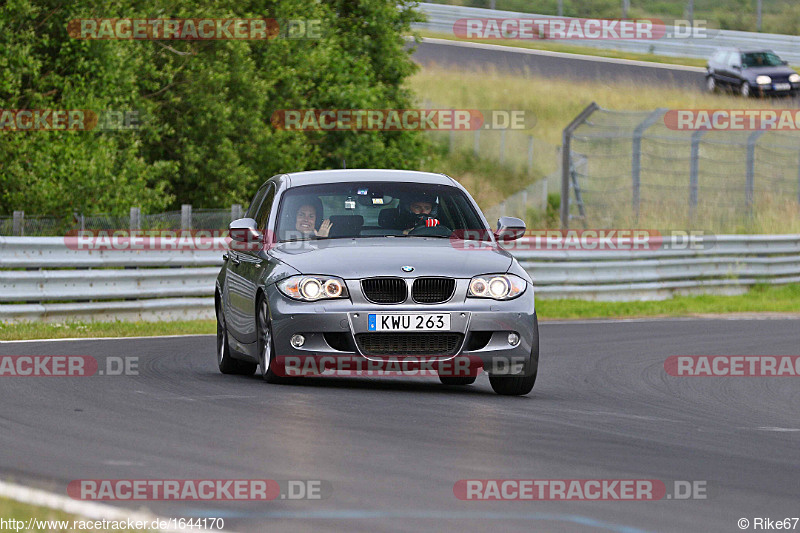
pixel 22 224
pixel 629 168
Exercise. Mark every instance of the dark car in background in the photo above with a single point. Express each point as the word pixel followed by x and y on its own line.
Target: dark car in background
pixel 751 73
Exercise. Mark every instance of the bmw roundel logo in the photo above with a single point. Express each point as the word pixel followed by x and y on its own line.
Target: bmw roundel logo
pixel 407 268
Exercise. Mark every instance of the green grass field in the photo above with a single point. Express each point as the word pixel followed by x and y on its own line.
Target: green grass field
pixel 556 101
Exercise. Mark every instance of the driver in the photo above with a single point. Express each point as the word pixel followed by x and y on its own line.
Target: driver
pixel 422 211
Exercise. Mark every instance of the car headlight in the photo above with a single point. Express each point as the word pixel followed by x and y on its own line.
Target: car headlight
pixel 313 288
pixel 496 286
pixel 794 78
pixel 763 80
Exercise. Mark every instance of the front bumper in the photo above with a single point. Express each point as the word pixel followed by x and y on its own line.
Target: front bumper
pixel 484 326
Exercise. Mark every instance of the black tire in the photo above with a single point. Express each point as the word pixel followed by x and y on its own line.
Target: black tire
pixel 225 361
pixel 745 90
pixel 452 380
pixel 711 84
pixel 512 385
pixel 521 384
pixel 266 345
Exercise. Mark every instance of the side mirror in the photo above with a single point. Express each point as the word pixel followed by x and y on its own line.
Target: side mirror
pixel 737 67
pixel 784 62
pixel 245 230
pixel 509 229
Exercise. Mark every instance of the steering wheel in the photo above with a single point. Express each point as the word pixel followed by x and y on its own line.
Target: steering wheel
pixel 434 231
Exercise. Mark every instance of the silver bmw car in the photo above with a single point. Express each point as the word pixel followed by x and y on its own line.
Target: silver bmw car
pixel 353 269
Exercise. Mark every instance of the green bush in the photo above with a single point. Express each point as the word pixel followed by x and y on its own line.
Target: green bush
pixel 206 137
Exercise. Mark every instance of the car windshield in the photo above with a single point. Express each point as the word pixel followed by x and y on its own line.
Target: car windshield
pixel 761 59
pixel 376 209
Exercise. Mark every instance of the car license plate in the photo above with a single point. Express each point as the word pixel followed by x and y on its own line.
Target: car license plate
pixel 783 86
pixel 409 322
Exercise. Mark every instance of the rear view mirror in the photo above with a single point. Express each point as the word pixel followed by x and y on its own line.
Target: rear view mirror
pixel 245 230
pixel 509 229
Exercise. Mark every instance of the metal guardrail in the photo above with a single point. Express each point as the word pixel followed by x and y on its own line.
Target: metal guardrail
pixel 442 17
pixel 42 279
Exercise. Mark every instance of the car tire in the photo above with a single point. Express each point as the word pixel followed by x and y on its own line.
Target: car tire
pixel 520 385
pixel 452 380
pixel 711 84
pixel 745 90
pixel 266 344
pixel 226 363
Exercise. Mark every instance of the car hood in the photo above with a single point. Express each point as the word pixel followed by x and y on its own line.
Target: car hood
pixel 367 257
pixel 782 70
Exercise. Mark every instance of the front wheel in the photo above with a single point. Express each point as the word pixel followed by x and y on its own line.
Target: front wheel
pixel 512 385
pixel 711 84
pixel 520 385
pixel 226 363
pixel 266 345
pixel 745 90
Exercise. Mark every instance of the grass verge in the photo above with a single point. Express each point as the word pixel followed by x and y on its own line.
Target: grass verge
pixel 45 519
pixel 47 330
pixel 760 299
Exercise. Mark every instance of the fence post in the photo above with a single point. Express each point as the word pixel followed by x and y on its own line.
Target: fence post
pixel 135 223
pixel 477 147
pixel 749 188
pixel 18 224
pixel 636 162
pixel 530 155
pixel 186 216
pixel 503 146
pixel 236 212
pixel 566 159
pixel 694 169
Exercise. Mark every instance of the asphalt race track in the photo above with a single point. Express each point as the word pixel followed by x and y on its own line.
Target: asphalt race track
pixel 392 448
pixel 537 63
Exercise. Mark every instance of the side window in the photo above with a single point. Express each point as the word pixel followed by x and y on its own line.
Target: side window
pixel 251 211
pixel 262 217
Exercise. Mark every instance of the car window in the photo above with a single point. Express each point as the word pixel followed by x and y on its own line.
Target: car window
pixel 761 59
pixel 369 209
pixel 254 205
pixel 262 215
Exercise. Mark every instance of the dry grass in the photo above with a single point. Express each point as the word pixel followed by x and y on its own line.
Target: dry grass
pixel 556 101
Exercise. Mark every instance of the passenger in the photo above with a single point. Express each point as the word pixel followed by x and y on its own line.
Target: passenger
pixel 306 222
